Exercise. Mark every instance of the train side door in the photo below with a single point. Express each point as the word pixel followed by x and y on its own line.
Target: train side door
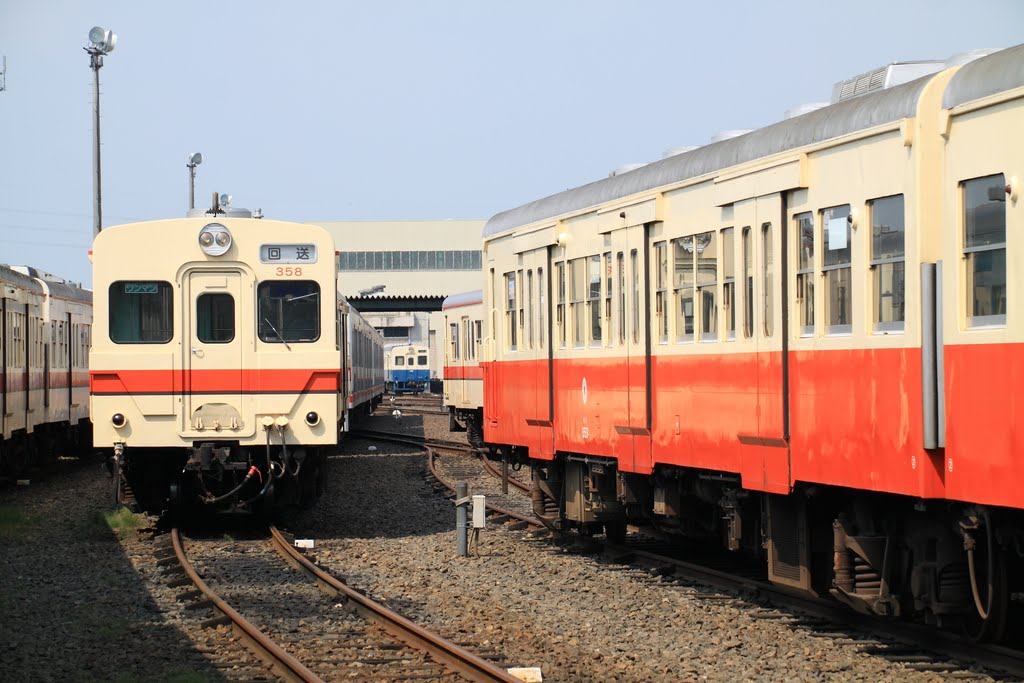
pixel 536 348
pixel 213 346
pixel 630 337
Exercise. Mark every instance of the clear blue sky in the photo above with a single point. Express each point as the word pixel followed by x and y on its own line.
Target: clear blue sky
pixel 412 109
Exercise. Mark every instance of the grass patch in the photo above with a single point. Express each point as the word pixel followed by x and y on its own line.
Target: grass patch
pixel 122 521
pixel 229 538
pixel 14 523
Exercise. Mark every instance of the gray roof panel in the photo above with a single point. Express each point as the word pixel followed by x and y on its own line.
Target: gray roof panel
pixel 999 71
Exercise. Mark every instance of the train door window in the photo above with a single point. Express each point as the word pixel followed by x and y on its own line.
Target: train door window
pixel 804 224
pixel 141 312
pixel 529 304
pixel 522 293
pixel 594 299
pixel 453 341
pixel 748 283
pixel 560 317
pixel 215 318
pixel 288 311
pixel 729 282
pixel 542 301
pixel 888 256
pixel 621 266
pixel 684 283
pixel 478 336
pixel 707 284
pixel 836 265
pixel 984 201
pixel 768 280
pixel 577 277
pixel 661 291
pixel 635 270
pixel 609 334
pixel 510 311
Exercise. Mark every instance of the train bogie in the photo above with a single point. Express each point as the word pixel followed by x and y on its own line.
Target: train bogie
pixel 800 342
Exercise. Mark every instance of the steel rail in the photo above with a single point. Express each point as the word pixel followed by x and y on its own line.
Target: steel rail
pixel 461 661
pixel 285 665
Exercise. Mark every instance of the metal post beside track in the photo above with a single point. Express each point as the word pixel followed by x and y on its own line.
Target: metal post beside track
pixel 462 517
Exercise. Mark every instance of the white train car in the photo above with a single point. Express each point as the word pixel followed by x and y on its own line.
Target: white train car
pixel 220 369
pixel 364 380
pixel 463 377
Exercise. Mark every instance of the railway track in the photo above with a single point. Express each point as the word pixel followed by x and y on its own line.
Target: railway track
pixel 289 626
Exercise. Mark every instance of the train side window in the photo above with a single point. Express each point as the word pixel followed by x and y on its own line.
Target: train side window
pixel 577 283
pixel 141 312
pixel 560 321
pixel 621 265
pixel 529 311
pixel 521 294
pixel 453 340
pixel 707 284
pixel 215 318
pixel 729 282
pixel 836 266
pixel 478 336
pixel 768 288
pixel 748 284
pixel 594 299
pixel 661 293
pixel 288 311
pixel 542 300
pixel 510 311
pixel 635 270
pixel 804 224
pixel 984 201
pixel 683 281
pixel 609 334
pixel 888 256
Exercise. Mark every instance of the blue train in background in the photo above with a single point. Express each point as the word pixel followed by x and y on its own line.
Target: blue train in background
pixel 408 369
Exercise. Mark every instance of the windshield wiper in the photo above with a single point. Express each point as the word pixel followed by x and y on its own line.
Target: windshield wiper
pixel 277 333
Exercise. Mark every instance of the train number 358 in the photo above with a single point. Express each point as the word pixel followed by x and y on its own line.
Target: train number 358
pixel 288 271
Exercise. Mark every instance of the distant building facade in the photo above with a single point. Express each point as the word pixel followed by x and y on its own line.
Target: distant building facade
pixel 392 263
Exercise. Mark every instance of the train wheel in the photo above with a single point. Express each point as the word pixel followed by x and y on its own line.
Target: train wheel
pixel 990 626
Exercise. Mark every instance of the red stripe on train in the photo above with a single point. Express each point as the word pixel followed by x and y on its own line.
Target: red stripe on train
pixel 460 372
pixel 213 381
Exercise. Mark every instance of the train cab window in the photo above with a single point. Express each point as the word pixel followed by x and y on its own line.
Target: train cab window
pixel 984 201
pixel 768 281
pixel 748 284
pixel 683 281
pixel 836 263
pixel 421 360
pixel 594 299
pixel 804 224
pixel 215 318
pixel 661 293
pixel 560 313
pixel 510 311
pixel 888 254
pixel 706 255
pixel 399 361
pixel 729 282
pixel 141 312
pixel 577 284
pixel 288 311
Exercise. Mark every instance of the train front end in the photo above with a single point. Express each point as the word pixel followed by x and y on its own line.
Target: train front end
pixel 215 366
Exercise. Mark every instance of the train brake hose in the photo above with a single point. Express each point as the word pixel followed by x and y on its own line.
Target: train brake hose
pixel 983 611
pixel 252 471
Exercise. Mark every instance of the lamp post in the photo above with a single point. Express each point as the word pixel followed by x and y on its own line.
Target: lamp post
pixel 102 42
pixel 194 160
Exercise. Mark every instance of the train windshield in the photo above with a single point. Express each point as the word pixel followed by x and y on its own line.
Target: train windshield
pixel 141 312
pixel 289 311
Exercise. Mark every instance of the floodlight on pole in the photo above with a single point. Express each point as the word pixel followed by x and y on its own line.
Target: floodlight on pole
pixel 194 160
pixel 102 42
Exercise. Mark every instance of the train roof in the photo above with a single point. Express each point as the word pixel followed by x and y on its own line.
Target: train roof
pixel 995 72
pixel 8 274
pixel 463 299
pixel 1003 70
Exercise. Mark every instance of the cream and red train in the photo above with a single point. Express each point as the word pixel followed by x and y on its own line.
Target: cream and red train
pixel 463 376
pixel 45 327
pixel 224 364
pixel 806 341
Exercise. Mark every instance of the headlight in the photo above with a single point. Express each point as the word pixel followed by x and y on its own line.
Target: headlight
pixel 214 239
pixel 118 420
pixel 312 419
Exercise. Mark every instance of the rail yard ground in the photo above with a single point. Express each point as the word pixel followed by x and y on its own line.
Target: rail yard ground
pixel 81 597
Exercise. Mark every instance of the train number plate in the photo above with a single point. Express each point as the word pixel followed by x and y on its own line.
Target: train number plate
pixel 287 253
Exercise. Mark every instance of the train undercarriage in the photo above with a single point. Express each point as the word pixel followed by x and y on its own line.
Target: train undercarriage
pixel 43 446
pixel 945 563
pixel 217 478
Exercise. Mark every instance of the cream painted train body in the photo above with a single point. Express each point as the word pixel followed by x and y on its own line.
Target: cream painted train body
pixel 224 364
